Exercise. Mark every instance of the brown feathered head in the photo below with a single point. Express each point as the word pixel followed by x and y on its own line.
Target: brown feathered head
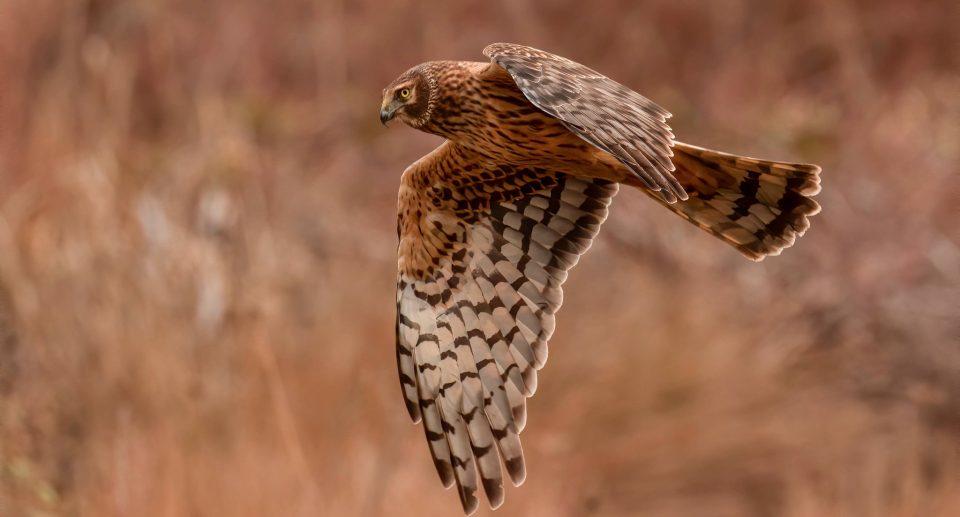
pixel 409 98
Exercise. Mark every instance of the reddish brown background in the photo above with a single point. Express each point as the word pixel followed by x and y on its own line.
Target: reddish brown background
pixel 197 263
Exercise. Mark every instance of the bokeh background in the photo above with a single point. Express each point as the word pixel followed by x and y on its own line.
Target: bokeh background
pixel 197 264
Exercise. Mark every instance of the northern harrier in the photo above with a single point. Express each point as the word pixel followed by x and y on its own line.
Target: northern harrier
pixel 491 221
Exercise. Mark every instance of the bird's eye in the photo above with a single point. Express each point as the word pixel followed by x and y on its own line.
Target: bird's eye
pixel 404 93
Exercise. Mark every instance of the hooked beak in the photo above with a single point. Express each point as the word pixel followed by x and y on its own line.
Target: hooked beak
pixel 387 111
pixel 385 116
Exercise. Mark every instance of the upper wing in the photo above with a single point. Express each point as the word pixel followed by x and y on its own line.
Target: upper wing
pixel 484 249
pixel 600 110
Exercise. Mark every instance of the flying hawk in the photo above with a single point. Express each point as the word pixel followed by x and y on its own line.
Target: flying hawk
pixel 491 221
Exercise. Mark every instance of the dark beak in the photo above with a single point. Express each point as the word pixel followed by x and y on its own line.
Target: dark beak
pixel 386 115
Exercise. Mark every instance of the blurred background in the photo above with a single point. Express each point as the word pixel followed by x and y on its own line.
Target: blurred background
pixel 198 257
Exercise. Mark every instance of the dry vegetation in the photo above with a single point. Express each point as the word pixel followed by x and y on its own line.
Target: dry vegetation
pixel 197 260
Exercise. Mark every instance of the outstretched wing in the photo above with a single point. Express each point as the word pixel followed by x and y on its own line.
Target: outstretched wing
pixel 599 110
pixel 484 249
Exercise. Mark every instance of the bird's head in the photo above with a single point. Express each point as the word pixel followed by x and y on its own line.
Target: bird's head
pixel 409 98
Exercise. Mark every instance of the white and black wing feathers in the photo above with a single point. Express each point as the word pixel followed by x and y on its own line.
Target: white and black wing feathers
pixel 482 266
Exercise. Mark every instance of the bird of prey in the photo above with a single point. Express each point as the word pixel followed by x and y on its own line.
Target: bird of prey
pixel 492 220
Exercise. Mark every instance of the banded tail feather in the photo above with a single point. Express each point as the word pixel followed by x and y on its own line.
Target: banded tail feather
pixel 760 207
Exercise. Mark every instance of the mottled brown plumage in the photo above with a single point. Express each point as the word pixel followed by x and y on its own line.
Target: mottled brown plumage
pixel 491 221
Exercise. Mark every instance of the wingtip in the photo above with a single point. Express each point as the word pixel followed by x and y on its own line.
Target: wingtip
pixel 672 195
pixel 469 501
pixel 413 410
pixel 494 490
pixel 445 472
pixel 517 470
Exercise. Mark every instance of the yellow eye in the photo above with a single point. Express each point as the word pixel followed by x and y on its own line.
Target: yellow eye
pixel 404 93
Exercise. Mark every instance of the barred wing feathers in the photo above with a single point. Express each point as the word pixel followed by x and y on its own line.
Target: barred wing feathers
pixel 484 250
pixel 599 110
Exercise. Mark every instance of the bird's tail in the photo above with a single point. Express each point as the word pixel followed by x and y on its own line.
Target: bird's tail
pixel 759 207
